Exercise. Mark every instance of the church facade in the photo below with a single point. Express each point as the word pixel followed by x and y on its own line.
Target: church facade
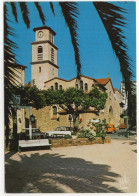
pixel 45 76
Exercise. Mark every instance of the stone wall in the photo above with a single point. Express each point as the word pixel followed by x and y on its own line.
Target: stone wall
pixel 78 141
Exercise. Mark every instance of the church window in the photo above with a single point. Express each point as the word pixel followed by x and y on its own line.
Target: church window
pixel 52 88
pixel 53 71
pixel 77 86
pixel 39 69
pixel 86 87
pixel 51 37
pixel 56 86
pixel 110 95
pixel 81 84
pixel 54 110
pixel 52 55
pixel 60 87
pixel 40 53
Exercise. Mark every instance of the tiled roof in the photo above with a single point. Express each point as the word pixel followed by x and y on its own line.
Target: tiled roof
pixel 103 81
pixel 91 109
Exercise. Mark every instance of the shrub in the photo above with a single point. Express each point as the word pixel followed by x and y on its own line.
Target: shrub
pixel 73 133
pixel 86 133
pixel 67 136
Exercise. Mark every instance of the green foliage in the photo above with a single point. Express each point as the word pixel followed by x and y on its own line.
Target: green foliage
pixel 67 136
pixel 132 110
pixel 53 97
pixel 86 133
pixel 100 126
pixel 98 99
pixel 32 96
pixel 72 100
pixel 73 133
pixel 73 96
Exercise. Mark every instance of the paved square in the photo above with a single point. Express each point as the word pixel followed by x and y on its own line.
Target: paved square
pixel 94 168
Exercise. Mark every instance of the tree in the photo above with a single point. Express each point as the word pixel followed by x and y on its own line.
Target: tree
pixel 110 15
pixel 73 101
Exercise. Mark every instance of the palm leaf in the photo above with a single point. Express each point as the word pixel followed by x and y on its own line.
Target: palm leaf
pixel 70 13
pixel 25 13
pixel 52 8
pixel 113 21
pixel 9 73
pixel 42 17
pixel 14 10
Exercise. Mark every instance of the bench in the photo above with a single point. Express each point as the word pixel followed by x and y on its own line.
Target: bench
pixel 32 143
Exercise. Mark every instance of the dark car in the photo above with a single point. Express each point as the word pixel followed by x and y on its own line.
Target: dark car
pixel 36 134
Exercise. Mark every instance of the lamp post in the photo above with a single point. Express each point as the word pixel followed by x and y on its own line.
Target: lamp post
pixel 70 119
pixel 126 119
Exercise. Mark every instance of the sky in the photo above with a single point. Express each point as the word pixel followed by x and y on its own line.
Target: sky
pixel 97 57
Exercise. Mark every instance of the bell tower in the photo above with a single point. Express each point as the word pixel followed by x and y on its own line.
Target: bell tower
pixel 44 56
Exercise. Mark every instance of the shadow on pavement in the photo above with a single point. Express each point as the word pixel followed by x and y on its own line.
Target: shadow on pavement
pixel 54 173
pixel 9 154
pixel 134 151
pixel 133 143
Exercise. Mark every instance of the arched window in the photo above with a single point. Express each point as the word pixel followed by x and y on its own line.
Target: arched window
pixel 52 55
pixel 76 86
pixel 52 88
pixel 110 95
pixel 40 69
pixel 54 110
pixel 56 86
pixel 40 53
pixel 86 87
pixel 81 84
pixel 60 87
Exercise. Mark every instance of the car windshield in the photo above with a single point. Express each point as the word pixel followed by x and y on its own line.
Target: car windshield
pixel 60 129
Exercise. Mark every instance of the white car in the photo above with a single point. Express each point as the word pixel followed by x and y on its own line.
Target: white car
pixel 59 131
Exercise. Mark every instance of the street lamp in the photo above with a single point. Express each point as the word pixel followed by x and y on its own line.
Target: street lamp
pixel 126 119
pixel 70 119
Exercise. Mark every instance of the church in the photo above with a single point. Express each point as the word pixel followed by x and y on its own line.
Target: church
pixel 44 74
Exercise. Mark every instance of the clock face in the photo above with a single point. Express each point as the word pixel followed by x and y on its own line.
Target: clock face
pixel 40 34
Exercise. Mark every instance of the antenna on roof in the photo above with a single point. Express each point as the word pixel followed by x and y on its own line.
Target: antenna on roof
pixel 108 75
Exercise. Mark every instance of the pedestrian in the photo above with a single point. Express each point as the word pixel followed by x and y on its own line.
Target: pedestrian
pixel 103 134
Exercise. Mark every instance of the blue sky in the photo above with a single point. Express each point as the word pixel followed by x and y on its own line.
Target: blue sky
pixel 97 57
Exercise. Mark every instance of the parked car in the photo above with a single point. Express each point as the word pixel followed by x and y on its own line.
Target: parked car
pixel 59 132
pixel 36 134
pixel 111 128
pixel 122 126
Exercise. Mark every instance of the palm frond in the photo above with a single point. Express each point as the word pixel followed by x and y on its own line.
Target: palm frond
pixel 9 60
pixel 14 10
pixel 114 21
pixel 70 12
pixel 25 13
pixel 42 17
pixel 52 7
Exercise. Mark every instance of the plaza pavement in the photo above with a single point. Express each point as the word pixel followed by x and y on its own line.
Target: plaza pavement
pixel 97 168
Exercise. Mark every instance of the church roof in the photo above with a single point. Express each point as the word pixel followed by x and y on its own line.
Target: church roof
pixel 103 81
pixel 90 109
pixel 95 80
pixel 44 27
pixel 56 78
